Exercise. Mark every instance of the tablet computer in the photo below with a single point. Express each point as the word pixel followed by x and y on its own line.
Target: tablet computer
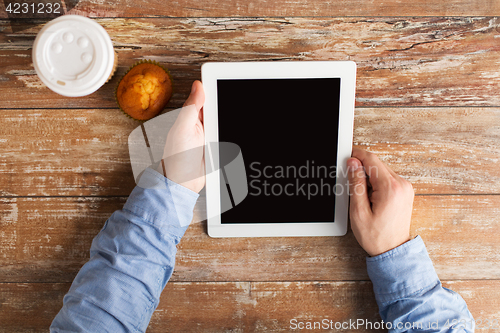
pixel 278 135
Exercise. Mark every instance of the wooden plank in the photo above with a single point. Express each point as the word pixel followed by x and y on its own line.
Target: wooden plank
pixel 482 300
pixel 65 152
pixel 84 151
pixel 401 61
pixel 238 8
pixel 29 307
pixel 459 232
pixel 261 306
pixel 440 151
pixel 270 306
pixel 208 307
pixel 48 240
pixel 238 306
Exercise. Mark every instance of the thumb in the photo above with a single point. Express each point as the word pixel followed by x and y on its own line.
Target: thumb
pixel 358 189
pixel 191 110
pixel 197 95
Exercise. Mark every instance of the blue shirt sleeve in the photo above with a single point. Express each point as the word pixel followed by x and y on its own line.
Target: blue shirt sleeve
pixel 131 260
pixel 410 296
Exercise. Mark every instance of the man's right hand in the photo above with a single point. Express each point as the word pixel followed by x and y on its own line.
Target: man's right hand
pixel 381 206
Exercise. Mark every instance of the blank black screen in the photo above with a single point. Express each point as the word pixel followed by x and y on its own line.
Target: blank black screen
pixel 282 124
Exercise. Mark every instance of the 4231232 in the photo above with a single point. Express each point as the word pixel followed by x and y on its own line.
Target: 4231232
pixel 33 8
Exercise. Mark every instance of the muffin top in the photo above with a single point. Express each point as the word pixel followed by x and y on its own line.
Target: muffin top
pixel 144 91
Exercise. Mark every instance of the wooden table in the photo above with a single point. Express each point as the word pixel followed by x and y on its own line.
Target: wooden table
pixel 428 104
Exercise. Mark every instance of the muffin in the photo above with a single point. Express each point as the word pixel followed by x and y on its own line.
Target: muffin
pixel 144 90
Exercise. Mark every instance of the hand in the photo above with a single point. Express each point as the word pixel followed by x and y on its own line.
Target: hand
pixel 183 156
pixel 380 208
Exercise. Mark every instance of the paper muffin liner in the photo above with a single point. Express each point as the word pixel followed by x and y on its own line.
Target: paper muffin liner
pixel 144 61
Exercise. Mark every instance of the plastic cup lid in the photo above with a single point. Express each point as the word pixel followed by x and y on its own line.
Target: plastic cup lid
pixel 73 55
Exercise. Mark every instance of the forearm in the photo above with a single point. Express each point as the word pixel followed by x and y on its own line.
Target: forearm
pixel 131 260
pixel 408 292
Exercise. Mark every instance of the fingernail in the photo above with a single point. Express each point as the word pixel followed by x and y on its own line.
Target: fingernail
pixel 193 88
pixel 353 165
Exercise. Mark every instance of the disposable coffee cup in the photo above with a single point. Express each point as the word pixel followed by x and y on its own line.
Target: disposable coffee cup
pixel 73 55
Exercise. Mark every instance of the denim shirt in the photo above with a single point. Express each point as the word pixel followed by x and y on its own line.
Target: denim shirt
pixel 133 257
pixel 410 296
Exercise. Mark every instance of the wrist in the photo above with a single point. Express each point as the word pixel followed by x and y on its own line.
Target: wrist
pixel 401 272
pixel 160 168
pixel 190 185
pixel 384 249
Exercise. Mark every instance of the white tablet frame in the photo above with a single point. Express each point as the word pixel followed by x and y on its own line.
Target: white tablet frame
pixel 346 71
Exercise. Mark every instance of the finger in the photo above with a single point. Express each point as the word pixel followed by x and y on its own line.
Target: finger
pixel 197 95
pixel 358 187
pixel 191 110
pixel 377 171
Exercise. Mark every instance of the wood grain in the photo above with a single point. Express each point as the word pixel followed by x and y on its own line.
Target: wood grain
pixel 427 105
pixel 84 151
pixel 65 152
pixel 439 150
pixel 401 61
pixel 29 307
pixel 261 306
pixel 460 233
pixel 238 306
pixel 238 8
pixel 48 240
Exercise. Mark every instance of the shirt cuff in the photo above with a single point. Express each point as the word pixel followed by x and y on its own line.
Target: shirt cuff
pixel 162 203
pixel 401 272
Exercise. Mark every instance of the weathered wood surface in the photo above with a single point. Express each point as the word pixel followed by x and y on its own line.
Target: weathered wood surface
pixel 238 306
pixel 84 151
pixel 439 150
pixel 401 61
pixel 48 240
pixel 235 8
pixel 64 164
pixel 65 152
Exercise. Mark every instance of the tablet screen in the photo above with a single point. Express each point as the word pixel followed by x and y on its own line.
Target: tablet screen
pixel 287 130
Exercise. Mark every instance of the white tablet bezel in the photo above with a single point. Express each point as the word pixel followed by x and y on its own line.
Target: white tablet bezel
pixel 346 71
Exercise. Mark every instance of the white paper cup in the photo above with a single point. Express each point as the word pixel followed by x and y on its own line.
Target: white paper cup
pixel 73 55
